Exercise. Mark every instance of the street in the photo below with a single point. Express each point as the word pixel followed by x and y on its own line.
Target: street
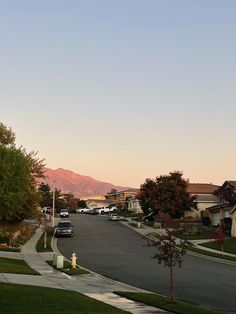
pixel 113 250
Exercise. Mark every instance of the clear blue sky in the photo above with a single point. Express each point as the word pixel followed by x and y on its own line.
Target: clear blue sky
pixel 122 90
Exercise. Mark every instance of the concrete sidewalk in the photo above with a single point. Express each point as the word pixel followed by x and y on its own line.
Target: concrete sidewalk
pixel 144 230
pixel 92 285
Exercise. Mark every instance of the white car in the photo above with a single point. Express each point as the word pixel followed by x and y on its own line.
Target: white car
pixel 105 210
pixel 114 217
pixel 82 210
pixel 64 213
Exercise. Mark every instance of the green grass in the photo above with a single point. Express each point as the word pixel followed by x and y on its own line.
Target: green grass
pixel 40 243
pixel 15 266
pixel 10 249
pixel 153 234
pixel 229 245
pixel 68 270
pixel 135 224
pixel 158 301
pixel 20 299
pixel 207 253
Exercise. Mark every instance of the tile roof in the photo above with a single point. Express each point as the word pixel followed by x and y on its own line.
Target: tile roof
pixel 202 188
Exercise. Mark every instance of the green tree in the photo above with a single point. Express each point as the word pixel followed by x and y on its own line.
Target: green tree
pixel 166 194
pixel 19 172
pixel 45 195
pixel 7 136
pixel 81 203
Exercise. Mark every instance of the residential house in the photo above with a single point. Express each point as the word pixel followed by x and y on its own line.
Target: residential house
pixel 226 207
pixel 134 205
pixel 120 199
pixel 205 198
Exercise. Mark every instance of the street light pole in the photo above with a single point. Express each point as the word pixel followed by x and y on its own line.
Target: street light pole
pixel 53 206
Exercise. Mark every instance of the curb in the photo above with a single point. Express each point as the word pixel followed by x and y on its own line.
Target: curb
pixel 109 280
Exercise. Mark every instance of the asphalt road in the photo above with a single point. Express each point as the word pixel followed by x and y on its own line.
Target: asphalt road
pixel 113 250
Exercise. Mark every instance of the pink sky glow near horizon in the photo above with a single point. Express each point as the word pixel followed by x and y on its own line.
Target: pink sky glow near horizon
pixel 122 90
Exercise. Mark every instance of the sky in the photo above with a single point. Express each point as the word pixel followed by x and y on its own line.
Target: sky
pixel 122 90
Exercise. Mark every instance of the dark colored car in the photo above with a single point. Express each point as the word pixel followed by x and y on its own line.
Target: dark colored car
pixel 64 229
pixel 149 218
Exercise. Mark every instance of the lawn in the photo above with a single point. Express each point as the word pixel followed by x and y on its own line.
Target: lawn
pixel 158 301
pixel 68 270
pixel 217 255
pixel 15 266
pixel 229 245
pixel 30 299
pixel 40 243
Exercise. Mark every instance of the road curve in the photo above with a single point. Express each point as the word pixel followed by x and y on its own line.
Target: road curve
pixel 113 250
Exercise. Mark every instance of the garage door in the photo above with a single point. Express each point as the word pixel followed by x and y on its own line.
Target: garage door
pixel 215 219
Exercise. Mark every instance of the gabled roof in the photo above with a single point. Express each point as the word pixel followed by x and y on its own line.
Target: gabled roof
pixel 202 188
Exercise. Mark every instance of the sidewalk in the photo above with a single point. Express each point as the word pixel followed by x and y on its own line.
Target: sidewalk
pixel 197 243
pixel 92 285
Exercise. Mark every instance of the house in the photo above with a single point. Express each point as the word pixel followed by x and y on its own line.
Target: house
pixel 120 198
pixel 94 202
pixel 226 207
pixel 134 205
pixel 205 198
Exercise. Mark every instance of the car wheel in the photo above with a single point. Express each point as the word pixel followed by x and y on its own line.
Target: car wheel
pixel 102 212
pixel 82 212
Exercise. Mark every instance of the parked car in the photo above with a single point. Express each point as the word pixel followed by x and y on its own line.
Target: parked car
pixel 149 217
pixel 64 229
pixel 114 217
pixel 104 210
pixel 47 210
pixel 92 211
pixel 64 213
pixel 82 210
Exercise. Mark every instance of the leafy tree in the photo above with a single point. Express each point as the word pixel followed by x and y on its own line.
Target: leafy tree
pixel 81 204
pixel 226 193
pixel 7 136
pixel 166 194
pixel 45 195
pixel 219 237
pixel 171 249
pixel 19 172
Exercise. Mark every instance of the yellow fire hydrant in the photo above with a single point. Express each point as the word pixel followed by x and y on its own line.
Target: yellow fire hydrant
pixel 73 260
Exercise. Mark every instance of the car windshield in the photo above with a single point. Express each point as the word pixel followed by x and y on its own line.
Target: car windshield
pixel 64 210
pixel 64 224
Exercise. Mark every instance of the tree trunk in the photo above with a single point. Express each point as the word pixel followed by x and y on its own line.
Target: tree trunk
pixel 171 285
pixel 222 249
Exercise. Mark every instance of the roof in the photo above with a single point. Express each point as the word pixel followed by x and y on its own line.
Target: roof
pixel 129 191
pixel 202 188
pixel 217 207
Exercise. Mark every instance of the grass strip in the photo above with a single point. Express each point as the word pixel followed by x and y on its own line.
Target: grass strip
pixel 162 302
pixel 10 249
pixel 31 299
pixel 207 253
pixel 15 266
pixel 69 270
pixel 229 245
pixel 40 244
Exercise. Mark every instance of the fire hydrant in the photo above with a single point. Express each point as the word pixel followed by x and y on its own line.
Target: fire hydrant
pixel 73 260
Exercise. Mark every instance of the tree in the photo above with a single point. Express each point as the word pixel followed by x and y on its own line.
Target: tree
pixel 81 204
pixel 166 194
pixel 7 136
pixel 45 195
pixel 171 249
pixel 219 237
pixel 226 193
pixel 19 172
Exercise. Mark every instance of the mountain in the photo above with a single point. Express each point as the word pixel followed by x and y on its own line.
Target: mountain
pixel 80 186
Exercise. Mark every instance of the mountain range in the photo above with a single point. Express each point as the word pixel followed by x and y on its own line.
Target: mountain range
pixel 80 186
